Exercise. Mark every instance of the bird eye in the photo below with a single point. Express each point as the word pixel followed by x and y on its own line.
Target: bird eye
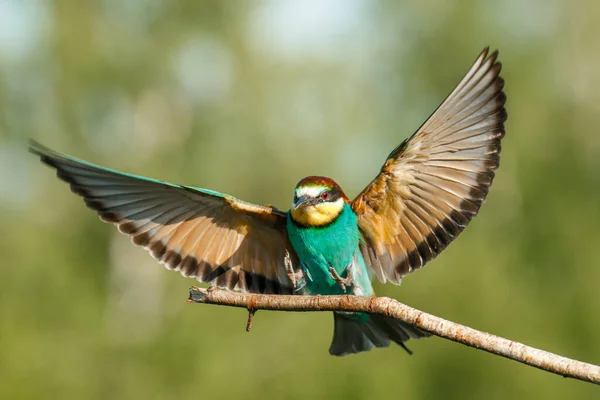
pixel 325 195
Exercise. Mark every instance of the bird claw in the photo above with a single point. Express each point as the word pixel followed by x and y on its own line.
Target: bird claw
pixel 343 282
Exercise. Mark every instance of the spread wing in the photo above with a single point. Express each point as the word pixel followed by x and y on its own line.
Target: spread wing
pixel 202 234
pixel 434 182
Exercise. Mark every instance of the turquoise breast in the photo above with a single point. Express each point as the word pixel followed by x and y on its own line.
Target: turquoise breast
pixel 319 248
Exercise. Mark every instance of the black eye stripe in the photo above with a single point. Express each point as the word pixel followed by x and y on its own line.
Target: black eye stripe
pixel 334 194
pixel 330 195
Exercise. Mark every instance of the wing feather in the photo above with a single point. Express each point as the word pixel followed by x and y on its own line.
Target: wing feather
pixel 433 183
pixel 202 234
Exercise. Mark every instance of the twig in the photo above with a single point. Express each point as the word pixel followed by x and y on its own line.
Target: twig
pixel 391 308
pixel 251 313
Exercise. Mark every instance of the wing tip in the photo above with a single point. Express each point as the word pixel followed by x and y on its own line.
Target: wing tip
pixel 487 54
pixel 36 147
pixel 44 153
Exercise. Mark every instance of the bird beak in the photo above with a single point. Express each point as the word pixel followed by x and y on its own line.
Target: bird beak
pixel 301 201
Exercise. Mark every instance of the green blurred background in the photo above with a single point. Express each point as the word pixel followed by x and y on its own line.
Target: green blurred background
pixel 247 98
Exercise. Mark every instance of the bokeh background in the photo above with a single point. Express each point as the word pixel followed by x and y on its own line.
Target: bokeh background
pixel 247 98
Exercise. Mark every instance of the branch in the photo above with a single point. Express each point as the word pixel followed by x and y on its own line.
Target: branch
pixel 391 308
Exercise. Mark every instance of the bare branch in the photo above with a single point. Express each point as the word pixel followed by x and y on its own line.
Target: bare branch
pixel 391 308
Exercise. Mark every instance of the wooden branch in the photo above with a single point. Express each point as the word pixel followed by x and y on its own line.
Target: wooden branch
pixel 391 308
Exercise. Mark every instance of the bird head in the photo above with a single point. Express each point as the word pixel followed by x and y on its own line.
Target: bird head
pixel 318 201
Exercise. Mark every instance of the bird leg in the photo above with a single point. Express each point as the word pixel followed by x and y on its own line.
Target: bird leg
pixel 297 277
pixel 343 282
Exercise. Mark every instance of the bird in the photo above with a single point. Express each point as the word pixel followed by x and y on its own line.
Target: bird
pixel 427 191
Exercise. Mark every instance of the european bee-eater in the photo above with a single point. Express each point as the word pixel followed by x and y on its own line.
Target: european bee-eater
pixel 427 191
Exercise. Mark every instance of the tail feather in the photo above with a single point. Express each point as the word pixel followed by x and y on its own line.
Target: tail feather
pixel 351 336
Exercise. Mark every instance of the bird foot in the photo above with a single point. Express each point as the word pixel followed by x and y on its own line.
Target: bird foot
pixel 299 281
pixel 343 282
pixel 297 277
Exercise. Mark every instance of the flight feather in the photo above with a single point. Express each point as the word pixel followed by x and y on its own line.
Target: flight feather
pixel 434 182
pixel 203 234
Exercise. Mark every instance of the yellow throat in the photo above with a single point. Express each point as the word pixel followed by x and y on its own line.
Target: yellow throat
pixel 318 214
